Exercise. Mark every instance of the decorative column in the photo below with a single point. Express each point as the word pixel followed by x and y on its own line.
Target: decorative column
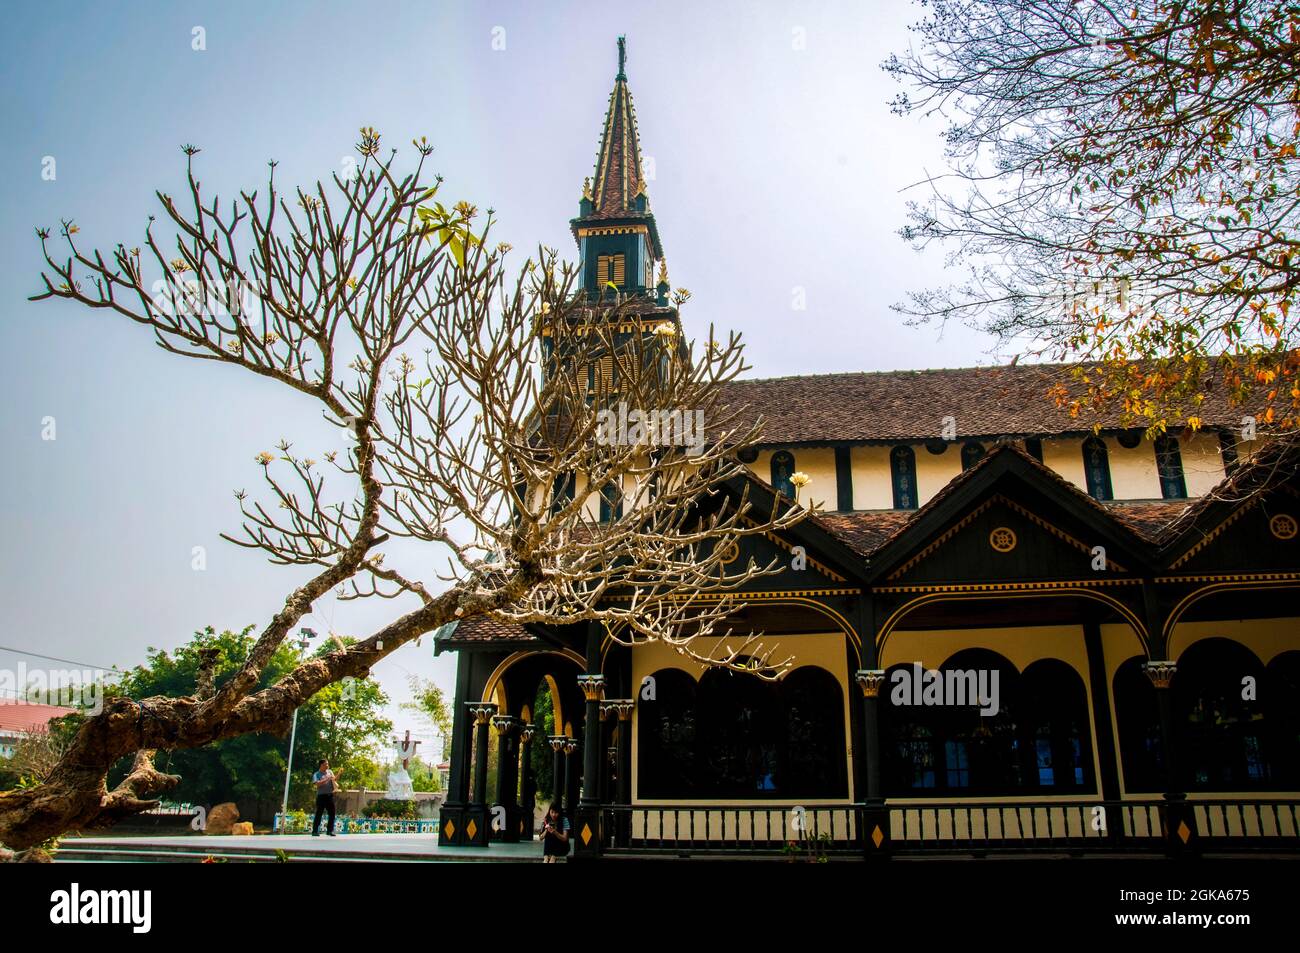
pixel 875 819
pixel 621 708
pixel 587 824
pixel 478 826
pixel 571 779
pixel 452 817
pixel 558 780
pixel 505 827
pixel 1179 820
pixel 528 783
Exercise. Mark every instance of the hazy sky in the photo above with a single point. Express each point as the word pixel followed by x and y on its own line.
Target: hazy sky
pixel 776 163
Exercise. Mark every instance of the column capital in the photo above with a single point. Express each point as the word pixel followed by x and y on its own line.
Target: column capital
pixel 556 742
pixel 481 712
pixel 1160 671
pixel 526 732
pixel 622 707
pixel 870 680
pixel 570 745
pixel 504 724
pixel 593 686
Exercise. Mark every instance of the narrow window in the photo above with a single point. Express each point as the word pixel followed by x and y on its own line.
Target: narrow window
pixel 971 454
pixel 1228 448
pixel 1034 447
pixel 611 503
pixel 562 491
pixel 1169 465
pixel 782 470
pixel 902 468
pixel 1096 468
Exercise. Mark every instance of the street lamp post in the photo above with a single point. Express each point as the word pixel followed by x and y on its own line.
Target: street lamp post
pixel 307 636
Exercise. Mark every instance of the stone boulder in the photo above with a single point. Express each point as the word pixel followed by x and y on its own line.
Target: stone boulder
pixel 222 818
pixel 242 828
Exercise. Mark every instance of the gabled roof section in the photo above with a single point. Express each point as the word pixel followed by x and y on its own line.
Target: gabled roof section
pixel 1062 508
pixel 1273 466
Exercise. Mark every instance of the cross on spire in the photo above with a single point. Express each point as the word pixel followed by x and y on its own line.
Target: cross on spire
pixel 622 57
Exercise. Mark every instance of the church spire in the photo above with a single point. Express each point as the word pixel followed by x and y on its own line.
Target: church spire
pixel 619 176
pixel 615 229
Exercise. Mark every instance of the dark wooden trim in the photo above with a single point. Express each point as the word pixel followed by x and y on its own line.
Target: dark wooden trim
pixel 843 479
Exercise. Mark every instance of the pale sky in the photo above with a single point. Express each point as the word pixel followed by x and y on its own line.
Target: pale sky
pixel 777 167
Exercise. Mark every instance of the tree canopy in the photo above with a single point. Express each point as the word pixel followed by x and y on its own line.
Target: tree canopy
pixel 1122 189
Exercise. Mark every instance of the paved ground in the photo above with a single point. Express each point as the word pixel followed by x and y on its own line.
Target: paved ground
pixel 342 847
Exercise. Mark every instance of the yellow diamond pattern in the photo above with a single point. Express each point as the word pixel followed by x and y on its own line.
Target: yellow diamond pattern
pixel 586 834
pixel 1184 831
pixel 877 836
pixel 449 829
pixel 472 829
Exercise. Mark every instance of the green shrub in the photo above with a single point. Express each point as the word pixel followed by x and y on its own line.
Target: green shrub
pixel 390 808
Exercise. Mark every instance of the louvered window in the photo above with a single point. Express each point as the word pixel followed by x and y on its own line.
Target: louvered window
pixel 610 268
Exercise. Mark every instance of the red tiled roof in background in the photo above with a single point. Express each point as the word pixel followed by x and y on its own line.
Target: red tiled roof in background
pixel 19 716
pixel 911 405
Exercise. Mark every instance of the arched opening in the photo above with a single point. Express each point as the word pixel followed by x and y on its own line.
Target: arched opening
pixel 902 471
pixel 1281 696
pixel 971 454
pixel 666 737
pixel 1137 717
pixel 977 727
pixel 1220 718
pixel 782 470
pixel 737 736
pixel 1056 724
pixel 1096 469
pixel 1169 467
pixel 611 503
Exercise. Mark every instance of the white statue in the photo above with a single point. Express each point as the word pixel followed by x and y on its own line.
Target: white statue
pixel 400 787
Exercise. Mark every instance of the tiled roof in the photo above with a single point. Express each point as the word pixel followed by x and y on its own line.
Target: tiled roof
pixel 912 405
pixel 19 716
pixel 864 531
pixel 1148 518
pixel 867 531
pixel 481 628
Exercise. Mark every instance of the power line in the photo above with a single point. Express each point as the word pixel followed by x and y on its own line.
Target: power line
pixel 55 658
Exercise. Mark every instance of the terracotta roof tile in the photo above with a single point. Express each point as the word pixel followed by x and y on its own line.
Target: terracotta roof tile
pixel 19 716
pixel 865 531
pixel 482 628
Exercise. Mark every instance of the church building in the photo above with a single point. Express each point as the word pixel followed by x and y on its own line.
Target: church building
pixel 1014 630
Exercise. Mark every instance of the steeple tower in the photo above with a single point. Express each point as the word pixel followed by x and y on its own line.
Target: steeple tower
pixel 617 238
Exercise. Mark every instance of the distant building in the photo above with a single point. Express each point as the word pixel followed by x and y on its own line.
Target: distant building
pixel 19 718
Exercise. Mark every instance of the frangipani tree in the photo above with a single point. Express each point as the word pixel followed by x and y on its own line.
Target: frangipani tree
pixel 467 396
